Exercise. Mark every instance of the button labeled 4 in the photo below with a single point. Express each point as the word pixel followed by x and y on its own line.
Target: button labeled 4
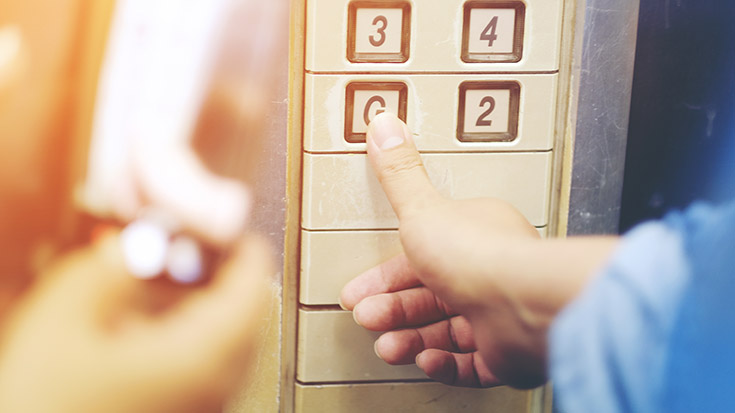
pixel 367 99
pixel 493 32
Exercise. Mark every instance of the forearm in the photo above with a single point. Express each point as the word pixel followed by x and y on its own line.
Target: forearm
pixel 545 275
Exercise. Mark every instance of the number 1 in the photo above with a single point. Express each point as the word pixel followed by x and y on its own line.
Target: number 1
pixel 491 37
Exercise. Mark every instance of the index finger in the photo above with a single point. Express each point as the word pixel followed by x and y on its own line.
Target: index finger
pixel 393 275
pixel 398 166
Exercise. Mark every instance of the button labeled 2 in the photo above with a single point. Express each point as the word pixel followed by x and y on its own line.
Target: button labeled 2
pixel 365 100
pixel 493 32
pixel 378 32
pixel 488 111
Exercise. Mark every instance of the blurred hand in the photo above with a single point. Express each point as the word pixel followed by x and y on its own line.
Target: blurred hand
pixel 473 297
pixel 90 338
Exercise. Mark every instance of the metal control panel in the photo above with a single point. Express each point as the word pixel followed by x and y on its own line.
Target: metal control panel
pixel 478 84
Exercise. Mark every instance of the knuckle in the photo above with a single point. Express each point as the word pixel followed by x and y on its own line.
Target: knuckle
pixel 401 165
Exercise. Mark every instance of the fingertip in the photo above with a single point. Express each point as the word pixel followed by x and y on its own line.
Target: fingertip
pixel 342 304
pixel 386 131
pixel 359 288
pixel 437 364
pixel 349 296
pixel 375 349
pixel 355 316
pixel 144 244
pixel 392 348
pixel 370 314
pixel 420 360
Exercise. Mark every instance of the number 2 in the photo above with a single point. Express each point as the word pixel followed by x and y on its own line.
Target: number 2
pixel 491 27
pixel 381 31
pixel 482 121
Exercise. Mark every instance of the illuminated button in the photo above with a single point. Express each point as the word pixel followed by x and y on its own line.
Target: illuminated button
pixel 379 32
pixel 493 32
pixel 365 100
pixel 488 111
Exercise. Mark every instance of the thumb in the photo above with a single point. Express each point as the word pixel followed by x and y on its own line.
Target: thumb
pixel 398 166
pixel 213 207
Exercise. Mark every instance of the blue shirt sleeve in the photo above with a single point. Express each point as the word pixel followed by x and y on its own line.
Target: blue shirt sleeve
pixel 611 349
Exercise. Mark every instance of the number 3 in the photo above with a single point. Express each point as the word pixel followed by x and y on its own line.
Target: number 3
pixel 381 31
pixel 482 121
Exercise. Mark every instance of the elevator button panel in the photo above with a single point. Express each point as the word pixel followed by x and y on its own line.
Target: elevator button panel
pixel 438 36
pixel 408 398
pixel 333 348
pixel 477 83
pixel 330 259
pixel 446 113
pixel 341 192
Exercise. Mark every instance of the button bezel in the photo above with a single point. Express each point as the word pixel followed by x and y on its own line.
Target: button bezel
pixel 402 88
pixel 513 111
pixel 400 57
pixel 518 35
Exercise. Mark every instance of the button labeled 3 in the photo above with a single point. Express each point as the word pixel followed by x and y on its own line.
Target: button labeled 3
pixel 365 100
pixel 378 32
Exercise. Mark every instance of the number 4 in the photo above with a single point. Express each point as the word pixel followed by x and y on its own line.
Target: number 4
pixel 491 36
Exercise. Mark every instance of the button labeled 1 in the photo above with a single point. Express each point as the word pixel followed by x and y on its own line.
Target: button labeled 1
pixel 493 32
pixel 367 99
pixel 488 111
pixel 378 32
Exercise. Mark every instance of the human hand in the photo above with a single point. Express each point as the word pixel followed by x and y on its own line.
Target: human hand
pixel 421 327
pixel 183 93
pixel 90 338
pixel 461 305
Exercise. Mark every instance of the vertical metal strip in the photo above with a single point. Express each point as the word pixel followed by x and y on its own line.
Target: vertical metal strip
pixel 605 71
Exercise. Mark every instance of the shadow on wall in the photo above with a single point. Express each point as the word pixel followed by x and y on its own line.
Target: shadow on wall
pixel 681 141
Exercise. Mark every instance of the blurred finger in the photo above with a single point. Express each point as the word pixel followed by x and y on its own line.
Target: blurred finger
pixel 456 369
pixel 11 48
pixel 216 329
pixel 406 308
pixel 213 207
pixel 92 280
pixel 402 346
pixel 393 275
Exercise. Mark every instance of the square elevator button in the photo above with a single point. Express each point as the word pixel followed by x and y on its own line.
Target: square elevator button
pixel 488 111
pixel 364 100
pixel 493 32
pixel 378 32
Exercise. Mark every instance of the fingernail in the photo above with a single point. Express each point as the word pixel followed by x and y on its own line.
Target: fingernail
pixel 145 246
pixel 184 260
pixel 418 360
pixel 354 316
pixel 341 304
pixel 387 131
pixel 375 349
